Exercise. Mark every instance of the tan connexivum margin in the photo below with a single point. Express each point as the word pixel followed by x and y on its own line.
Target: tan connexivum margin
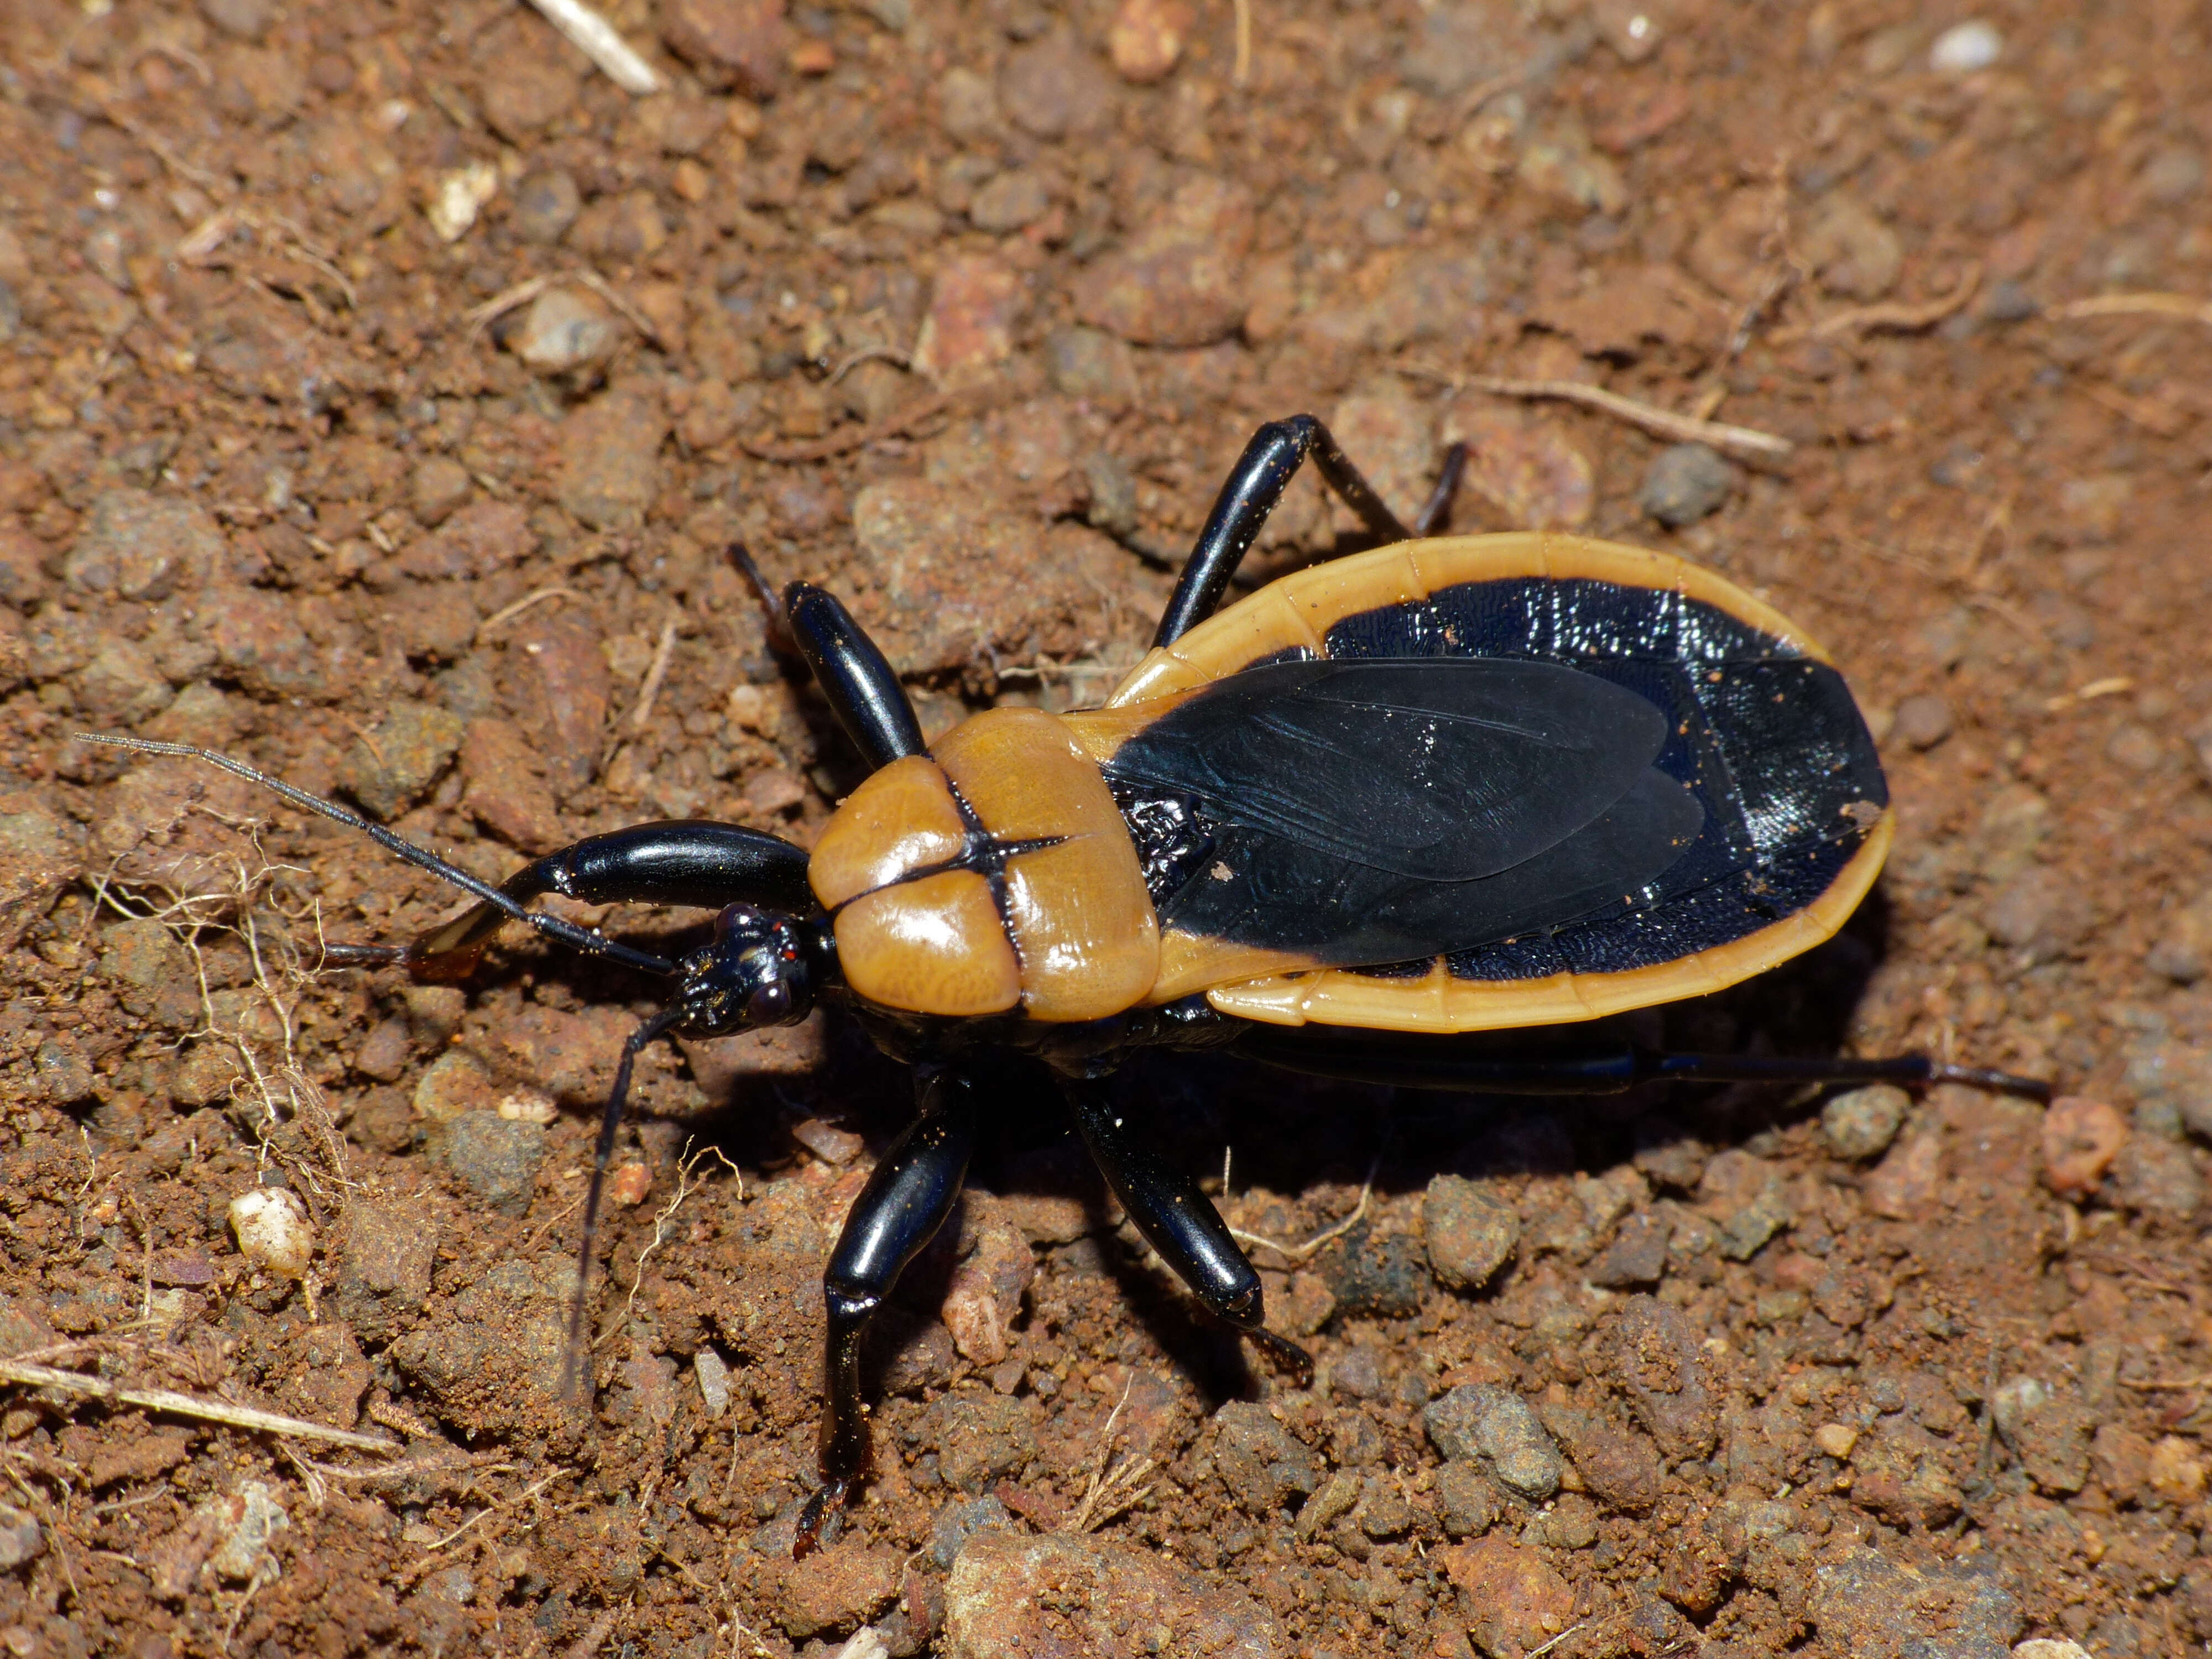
pixel 1298 611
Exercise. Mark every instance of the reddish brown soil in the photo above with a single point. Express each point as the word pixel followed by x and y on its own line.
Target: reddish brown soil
pixel 922 301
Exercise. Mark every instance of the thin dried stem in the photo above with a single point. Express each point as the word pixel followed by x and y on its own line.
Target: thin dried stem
pixel 1301 1252
pixel 184 1405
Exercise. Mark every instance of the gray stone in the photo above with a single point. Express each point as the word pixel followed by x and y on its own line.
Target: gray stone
pixel 980 1438
pixel 1470 1234
pixel 1864 1605
pixel 1923 721
pixel 1011 201
pixel 1638 1255
pixel 1686 482
pixel 1375 1273
pixel 545 205
pixel 1081 1597
pixel 2157 1179
pixel 1467 1503
pixel 1861 1122
pixel 960 1519
pixel 137 545
pixel 564 331
pixel 20 1538
pixel 1092 364
pixel 1477 1420
pixel 495 1157
pixel 388 768
pixel 1260 1462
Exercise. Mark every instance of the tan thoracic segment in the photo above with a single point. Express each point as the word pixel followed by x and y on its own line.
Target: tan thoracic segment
pixel 902 819
pixel 1085 942
pixel 1083 923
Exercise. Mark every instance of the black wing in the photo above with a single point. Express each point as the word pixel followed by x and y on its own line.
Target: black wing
pixel 1439 769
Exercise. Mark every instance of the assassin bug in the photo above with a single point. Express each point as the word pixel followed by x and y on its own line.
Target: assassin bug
pixel 1414 815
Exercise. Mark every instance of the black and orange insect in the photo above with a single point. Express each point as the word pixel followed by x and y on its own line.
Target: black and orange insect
pixel 1415 816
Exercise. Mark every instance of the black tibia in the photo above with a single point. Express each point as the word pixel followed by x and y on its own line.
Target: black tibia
pixel 681 861
pixel 898 1213
pixel 1514 1063
pixel 1178 1220
pixel 871 704
pixel 1256 484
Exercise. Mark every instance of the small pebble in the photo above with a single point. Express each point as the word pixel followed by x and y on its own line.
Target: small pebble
pixel 1146 38
pixel 1835 1439
pixel 248 1518
pixel 20 1539
pixel 628 1184
pixel 714 1382
pixel 1860 1123
pixel 564 331
pixel 439 489
pixel 495 1157
pixel 545 205
pixel 1480 1420
pixel 2048 1647
pixel 1686 482
pixel 528 1105
pixel 271 1225
pixel 1470 1234
pixel 960 1519
pixel 1260 1462
pixel 828 1142
pixel 1923 721
pixel 1966 47
pixel 2081 1138
pixel 1638 1255
pixel 1467 1503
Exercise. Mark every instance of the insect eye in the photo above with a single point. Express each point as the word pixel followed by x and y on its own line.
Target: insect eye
pixel 768 1004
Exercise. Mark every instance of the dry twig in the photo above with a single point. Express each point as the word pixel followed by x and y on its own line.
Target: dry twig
pixel 654 675
pixel 508 613
pixel 852 438
pixel 1661 422
pixel 1112 1490
pixel 477 318
pixel 594 36
pixel 1894 317
pixel 2185 307
pixel 1301 1252
pixel 184 1405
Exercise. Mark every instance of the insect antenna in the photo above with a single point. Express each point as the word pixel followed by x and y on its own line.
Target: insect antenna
pixel 572 1366
pixel 583 939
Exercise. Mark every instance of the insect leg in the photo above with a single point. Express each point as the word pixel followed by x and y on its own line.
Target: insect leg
pixel 1255 486
pixel 898 1213
pixel 688 861
pixel 869 703
pixel 1180 1222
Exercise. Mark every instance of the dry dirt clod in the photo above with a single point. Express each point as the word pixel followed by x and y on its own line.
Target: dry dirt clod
pixel 1087 1598
pixel 2080 1138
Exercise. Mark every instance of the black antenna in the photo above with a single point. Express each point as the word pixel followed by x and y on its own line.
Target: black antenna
pixel 576 1369
pixel 584 939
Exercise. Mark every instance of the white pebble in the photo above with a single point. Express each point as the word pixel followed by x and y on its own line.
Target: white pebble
pixel 2048 1647
pixel 271 1227
pixel 1965 47
pixel 461 195
pixel 714 1382
pixel 529 1106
